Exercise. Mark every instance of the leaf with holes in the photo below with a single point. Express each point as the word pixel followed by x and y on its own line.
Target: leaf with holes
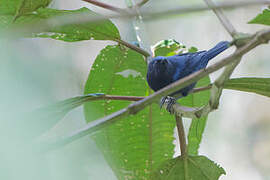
pixel 168 47
pixel 135 145
pixel 195 168
pixel 255 85
pixel 263 18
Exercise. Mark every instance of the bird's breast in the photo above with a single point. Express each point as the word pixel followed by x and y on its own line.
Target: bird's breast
pixel 158 80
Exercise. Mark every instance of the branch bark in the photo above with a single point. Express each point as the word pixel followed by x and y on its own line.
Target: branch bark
pixel 181 135
pixel 107 6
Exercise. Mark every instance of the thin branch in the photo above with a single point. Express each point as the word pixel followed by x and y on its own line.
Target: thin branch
pixel 260 37
pixel 140 4
pixel 188 9
pixel 183 144
pixel 222 18
pixel 181 135
pixel 196 90
pixel 148 15
pixel 107 6
pixel 133 47
pixel 124 98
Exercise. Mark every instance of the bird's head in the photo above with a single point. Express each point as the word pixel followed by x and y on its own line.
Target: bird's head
pixel 159 64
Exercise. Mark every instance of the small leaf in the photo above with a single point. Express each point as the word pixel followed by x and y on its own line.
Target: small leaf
pixel 168 47
pixel 192 49
pixel 195 133
pixel 256 85
pixel 263 18
pixel 198 168
pixel 197 126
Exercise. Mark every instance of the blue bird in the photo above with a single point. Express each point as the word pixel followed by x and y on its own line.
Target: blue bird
pixel 163 71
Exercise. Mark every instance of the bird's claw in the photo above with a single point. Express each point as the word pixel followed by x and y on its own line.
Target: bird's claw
pixel 170 101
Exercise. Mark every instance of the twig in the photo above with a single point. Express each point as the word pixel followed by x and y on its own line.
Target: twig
pixel 222 18
pixel 196 90
pixel 183 144
pixel 181 135
pixel 188 9
pixel 80 19
pixel 259 38
pixel 140 4
pixel 133 47
pixel 107 6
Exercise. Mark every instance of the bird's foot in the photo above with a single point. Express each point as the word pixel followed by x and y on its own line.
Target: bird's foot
pixel 170 101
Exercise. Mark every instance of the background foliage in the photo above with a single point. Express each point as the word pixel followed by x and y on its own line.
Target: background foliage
pixel 131 144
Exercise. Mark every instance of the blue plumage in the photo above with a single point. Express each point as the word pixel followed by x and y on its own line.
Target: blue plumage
pixel 163 71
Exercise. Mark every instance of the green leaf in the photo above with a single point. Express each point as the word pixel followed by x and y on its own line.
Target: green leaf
pixel 263 18
pixel 59 30
pixel 197 126
pixel 198 168
pixel 256 85
pixel 20 7
pixel 195 133
pixel 28 6
pixel 168 47
pixel 135 145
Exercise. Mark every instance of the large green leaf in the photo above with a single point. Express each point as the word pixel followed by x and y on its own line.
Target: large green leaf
pixel 263 18
pixel 256 85
pixel 196 168
pixel 70 32
pixel 135 145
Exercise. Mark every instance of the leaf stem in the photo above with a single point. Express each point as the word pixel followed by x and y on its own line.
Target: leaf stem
pixel 183 144
pixel 133 47
pixel 140 4
pixel 181 135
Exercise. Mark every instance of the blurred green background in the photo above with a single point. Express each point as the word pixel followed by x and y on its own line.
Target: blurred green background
pixel 38 72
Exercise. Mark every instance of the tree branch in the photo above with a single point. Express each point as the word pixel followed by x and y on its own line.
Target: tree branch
pixel 107 6
pixel 222 18
pixel 133 47
pixel 259 38
pixel 140 4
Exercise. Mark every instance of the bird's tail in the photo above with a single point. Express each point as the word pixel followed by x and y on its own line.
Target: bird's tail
pixel 220 47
